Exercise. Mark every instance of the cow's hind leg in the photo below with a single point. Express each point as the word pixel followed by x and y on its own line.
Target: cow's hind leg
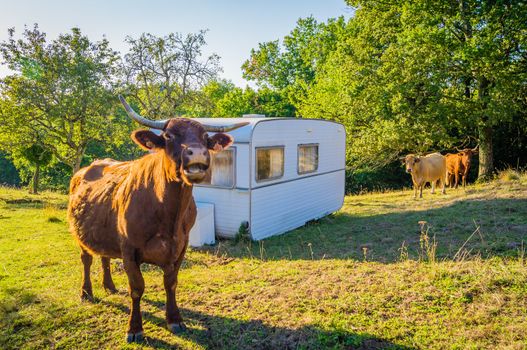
pixel 433 185
pixel 136 288
pixel 107 281
pixel 86 289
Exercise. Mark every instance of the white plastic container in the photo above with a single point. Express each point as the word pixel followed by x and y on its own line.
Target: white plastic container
pixel 203 230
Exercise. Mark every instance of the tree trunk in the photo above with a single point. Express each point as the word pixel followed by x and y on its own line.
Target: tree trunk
pixel 76 167
pixel 486 157
pixel 34 181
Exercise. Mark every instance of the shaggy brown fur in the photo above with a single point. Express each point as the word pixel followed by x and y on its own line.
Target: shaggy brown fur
pixel 142 211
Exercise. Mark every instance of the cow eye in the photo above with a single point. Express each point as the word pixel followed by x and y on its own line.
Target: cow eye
pixel 168 136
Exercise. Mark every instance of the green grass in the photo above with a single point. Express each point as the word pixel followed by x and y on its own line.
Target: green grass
pixel 360 279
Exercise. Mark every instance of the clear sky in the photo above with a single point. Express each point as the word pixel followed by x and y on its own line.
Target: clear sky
pixel 235 26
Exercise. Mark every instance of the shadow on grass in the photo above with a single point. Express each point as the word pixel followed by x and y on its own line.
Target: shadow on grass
pixel 501 226
pixel 217 332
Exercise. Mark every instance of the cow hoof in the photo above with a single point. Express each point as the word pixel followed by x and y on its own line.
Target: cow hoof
pixel 112 290
pixel 177 328
pixel 87 297
pixel 134 337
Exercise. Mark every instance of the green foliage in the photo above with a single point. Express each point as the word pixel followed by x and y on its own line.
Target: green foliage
pixel 60 93
pixel 409 76
pixel 221 99
pixel 243 234
pixel 406 76
pixel 37 155
pixel 389 177
pixel 265 101
pixel 8 172
pixel 290 67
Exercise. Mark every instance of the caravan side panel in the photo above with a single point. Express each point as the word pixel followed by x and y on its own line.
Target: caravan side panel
pixel 285 203
pixel 285 206
pixel 231 208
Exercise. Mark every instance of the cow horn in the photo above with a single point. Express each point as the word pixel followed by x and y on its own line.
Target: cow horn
pixel 224 128
pixel 475 149
pixel 154 124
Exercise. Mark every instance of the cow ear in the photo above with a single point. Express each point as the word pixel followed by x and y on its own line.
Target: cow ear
pixel 147 140
pixel 219 142
pixel 417 160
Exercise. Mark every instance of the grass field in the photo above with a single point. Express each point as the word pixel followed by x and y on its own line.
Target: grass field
pixel 385 272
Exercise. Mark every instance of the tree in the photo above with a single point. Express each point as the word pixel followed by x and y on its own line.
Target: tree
pixel 290 67
pixel 61 92
pixel 419 76
pixel 37 157
pixel 164 73
pixel 237 102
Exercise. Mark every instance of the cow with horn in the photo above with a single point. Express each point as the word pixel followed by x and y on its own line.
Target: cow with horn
pixel 141 211
pixel 459 164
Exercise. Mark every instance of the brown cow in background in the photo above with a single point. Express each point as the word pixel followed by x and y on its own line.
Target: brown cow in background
pixel 459 164
pixel 142 211
pixel 429 168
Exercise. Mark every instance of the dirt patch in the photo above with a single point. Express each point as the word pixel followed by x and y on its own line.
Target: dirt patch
pixel 24 201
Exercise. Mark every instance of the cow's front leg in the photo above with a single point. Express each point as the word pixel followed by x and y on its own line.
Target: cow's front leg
pixel 136 283
pixel 433 185
pixel 173 316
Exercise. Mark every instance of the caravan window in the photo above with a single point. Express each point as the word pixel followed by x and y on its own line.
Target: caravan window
pixel 307 158
pixel 221 170
pixel 269 163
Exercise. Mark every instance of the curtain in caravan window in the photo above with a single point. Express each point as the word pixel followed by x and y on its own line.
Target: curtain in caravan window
pixel 269 163
pixel 221 170
pixel 307 158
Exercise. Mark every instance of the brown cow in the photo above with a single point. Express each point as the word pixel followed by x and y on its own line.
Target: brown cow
pixel 459 164
pixel 423 169
pixel 453 168
pixel 142 210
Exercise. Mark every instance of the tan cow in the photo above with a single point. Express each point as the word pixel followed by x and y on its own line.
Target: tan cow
pixel 429 168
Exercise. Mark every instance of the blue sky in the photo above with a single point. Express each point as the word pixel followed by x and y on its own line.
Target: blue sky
pixel 234 26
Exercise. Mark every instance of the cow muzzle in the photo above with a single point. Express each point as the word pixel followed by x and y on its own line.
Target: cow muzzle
pixel 195 172
pixel 196 162
pixel 409 171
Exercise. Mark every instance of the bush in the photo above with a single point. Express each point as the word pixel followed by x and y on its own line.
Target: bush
pixel 8 172
pixel 390 177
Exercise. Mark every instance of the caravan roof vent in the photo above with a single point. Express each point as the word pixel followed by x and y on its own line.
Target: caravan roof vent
pixel 253 115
